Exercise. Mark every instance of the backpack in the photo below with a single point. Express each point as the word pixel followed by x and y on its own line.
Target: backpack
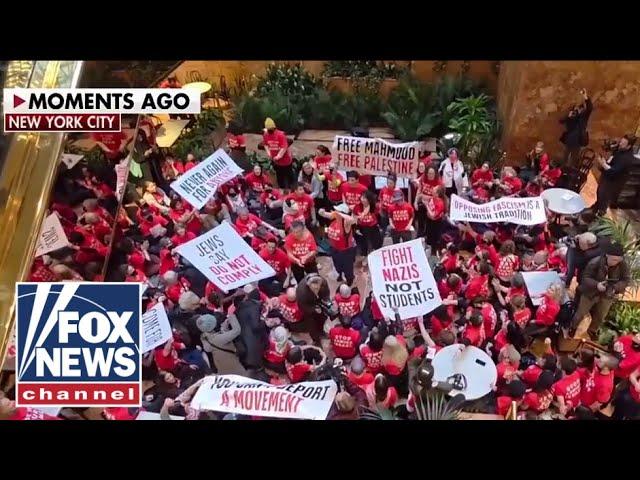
pixel 566 313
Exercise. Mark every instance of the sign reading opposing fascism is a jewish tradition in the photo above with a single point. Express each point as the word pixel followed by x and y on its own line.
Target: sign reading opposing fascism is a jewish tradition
pixel 521 211
pixel 374 156
pixel 52 236
pixel 245 396
pixel 156 329
pixel 225 258
pixel 199 184
pixel 401 278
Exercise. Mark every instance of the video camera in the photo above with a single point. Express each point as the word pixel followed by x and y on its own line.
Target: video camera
pixel 327 308
pixel 335 371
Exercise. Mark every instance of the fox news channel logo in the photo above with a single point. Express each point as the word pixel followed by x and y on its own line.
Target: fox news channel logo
pixel 89 109
pixel 77 344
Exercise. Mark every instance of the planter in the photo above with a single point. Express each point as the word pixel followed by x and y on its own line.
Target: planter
pixel 345 85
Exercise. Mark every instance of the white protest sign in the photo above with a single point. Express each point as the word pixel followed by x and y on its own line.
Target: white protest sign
pixel 381 182
pixel 225 258
pixel 52 236
pixel 244 396
pixel 122 173
pixel 156 329
pixel 155 416
pixel 538 282
pixel 200 183
pixel 70 160
pixel 375 156
pixel 521 211
pixel 53 411
pixel 401 277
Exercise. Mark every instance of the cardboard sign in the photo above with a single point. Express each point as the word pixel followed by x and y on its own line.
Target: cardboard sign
pixel 156 329
pixel 200 183
pixel 538 282
pixel 52 236
pixel 225 258
pixel 244 396
pixel 70 160
pixel 521 211
pixel 401 277
pixel 155 416
pixel 375 156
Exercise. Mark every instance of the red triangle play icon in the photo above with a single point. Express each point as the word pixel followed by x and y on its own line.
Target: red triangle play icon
pixel 17 101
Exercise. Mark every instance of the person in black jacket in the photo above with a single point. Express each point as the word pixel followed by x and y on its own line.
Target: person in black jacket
pixel 311 292
pixel 587 246
pixel 254 333
pixel 575 135
pixel 614 174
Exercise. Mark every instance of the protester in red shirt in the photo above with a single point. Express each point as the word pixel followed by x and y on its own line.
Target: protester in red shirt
pixel 175 285
pixel 394 358
pixel 550 306
pixel 358 373
pixel 510 183
pixel 247 223
pixel 627 347
pixel 521 313
pixel 436 208
pixel 276 146
pixel 301 248
pixel 291 213
pixel 343 245
pixel 538 158
pixel 183 213
pixel 334 179
pixel 111 143
pixel 596 385
pixel 297 368
pixel 531 374
pixel 344 339
pixel 380 394
pixel 482 177
pixel 474 333
pixel 508 262
pixel 322 159
pixel 400 218
pixel 385 199
pixel 256 180
pixel 278 349
pixel 539 399
pixel 352 190
pixel 289 308
pixel 507 366
pixel 348 302
pixel 371 352
pixel 549 178
pixel 276 258
pixel 367 214
pixel 515 393
pixel 166 356
pixel 479 286
pixel 181 235
pixel 567 390
pixel 304 202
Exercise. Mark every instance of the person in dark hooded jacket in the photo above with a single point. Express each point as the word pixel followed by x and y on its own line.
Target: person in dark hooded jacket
pixel 254 335
pixel 312 290
pixel 575 134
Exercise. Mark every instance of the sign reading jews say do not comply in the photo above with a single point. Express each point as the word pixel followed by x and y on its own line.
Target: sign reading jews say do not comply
pixel 225 258
pixel 245 396
pixel 521 211
pixel 401 277
pixel 200 183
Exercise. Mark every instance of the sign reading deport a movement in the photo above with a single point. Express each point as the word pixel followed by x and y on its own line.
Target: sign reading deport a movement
pixel 89 110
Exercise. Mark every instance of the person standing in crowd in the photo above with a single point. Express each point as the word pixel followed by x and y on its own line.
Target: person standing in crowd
pixel 586 247
pixel 341 239
pixel 575 135
pixel 615 173
pixel 400 218
pixel 217 340
pixel 278 260
pixel 334 180
pixel 437 206
pixel 426 185
pixel 352 190
pixel 366 212
pixel 311 292
pixel 305 203
pixel 538 160
pixel 301 248
pixel 276 146
pixel 385 200
pixel 312 184
pixel 603 279
pixel 322 159
pixel 452 172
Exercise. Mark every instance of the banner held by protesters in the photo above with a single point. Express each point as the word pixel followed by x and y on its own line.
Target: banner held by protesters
pixel 199 184
pixel 401 278
pixel 521 211
pixel 374 156
pixel 225 258
pixel 241 395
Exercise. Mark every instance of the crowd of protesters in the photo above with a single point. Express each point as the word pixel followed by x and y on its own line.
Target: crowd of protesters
pixel 289 327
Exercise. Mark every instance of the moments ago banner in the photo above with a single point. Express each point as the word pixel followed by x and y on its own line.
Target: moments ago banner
pixel 225 258
pixel 244 396
pixel 373 156
pixel 401 277
pixel 52 236
pixel 156 329
pixel 200 183
pixel 521 211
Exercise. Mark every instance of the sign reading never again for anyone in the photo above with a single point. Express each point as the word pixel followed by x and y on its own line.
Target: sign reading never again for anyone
pixel 225 258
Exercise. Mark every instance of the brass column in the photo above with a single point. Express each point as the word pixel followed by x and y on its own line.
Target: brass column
pixel 26 180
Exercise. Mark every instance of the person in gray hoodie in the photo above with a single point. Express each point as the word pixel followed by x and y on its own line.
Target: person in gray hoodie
pixel 217 339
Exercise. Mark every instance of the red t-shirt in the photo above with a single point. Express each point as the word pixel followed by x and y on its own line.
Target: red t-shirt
pixel 547 311
pixel 272 196
pixel 236 141
pixel 247 225
pixel 348 306
pixel 273 355
pixel 401 214
pixel 375 310
pixel 368 220
pixel 630 358
pixel 437 325
pixel 169 362
pixel 256 182
pixel 449 262
pixel 435 206
pixel 477 287
pixel 339 239
pixel 595 386
pixel 298 371
pixel 289 218
pixel 278 260
pixel 385 198
pixel 322 162
pixel 167 262
pixel 538 402
pixel 290 310
pixel 501 339
pixel 389 401
pixel 503 405
pixel 111 140
pixel 194 225
pixel 28 413
pixel 569 388
pixel 274 142
pixel 552 175
pixel 304 201
pixel 480 177
pixel 514 292
pixel 428 186
pixel 334 181
pixel 474 334
pixel 531 374
pixel 174 291
pixel 300 248
pixel 362 380
pixel 373 360
pixel 505 371
pixel 180 239
pixel 352 193
pixel 522 317
pixel 344 341
pixel 514 184
pixel 507 266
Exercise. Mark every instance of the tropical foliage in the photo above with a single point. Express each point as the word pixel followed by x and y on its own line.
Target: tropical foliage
pixel 198 139
pixel 355 69
pixel 623 318
pixel 285 79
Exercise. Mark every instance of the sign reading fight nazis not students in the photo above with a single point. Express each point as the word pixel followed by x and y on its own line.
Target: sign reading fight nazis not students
pixel 374 156
pixel 401 277
pixel 245 396
pixel 200 183
pixel 521 211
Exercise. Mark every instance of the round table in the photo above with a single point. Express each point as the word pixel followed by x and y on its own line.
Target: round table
pixel 202 87
pixel 563 201
pixel 474 364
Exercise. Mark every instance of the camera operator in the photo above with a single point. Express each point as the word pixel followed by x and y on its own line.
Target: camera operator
pixel 614 172
pixel 582 249
pixel 314 299
pixel 575 135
